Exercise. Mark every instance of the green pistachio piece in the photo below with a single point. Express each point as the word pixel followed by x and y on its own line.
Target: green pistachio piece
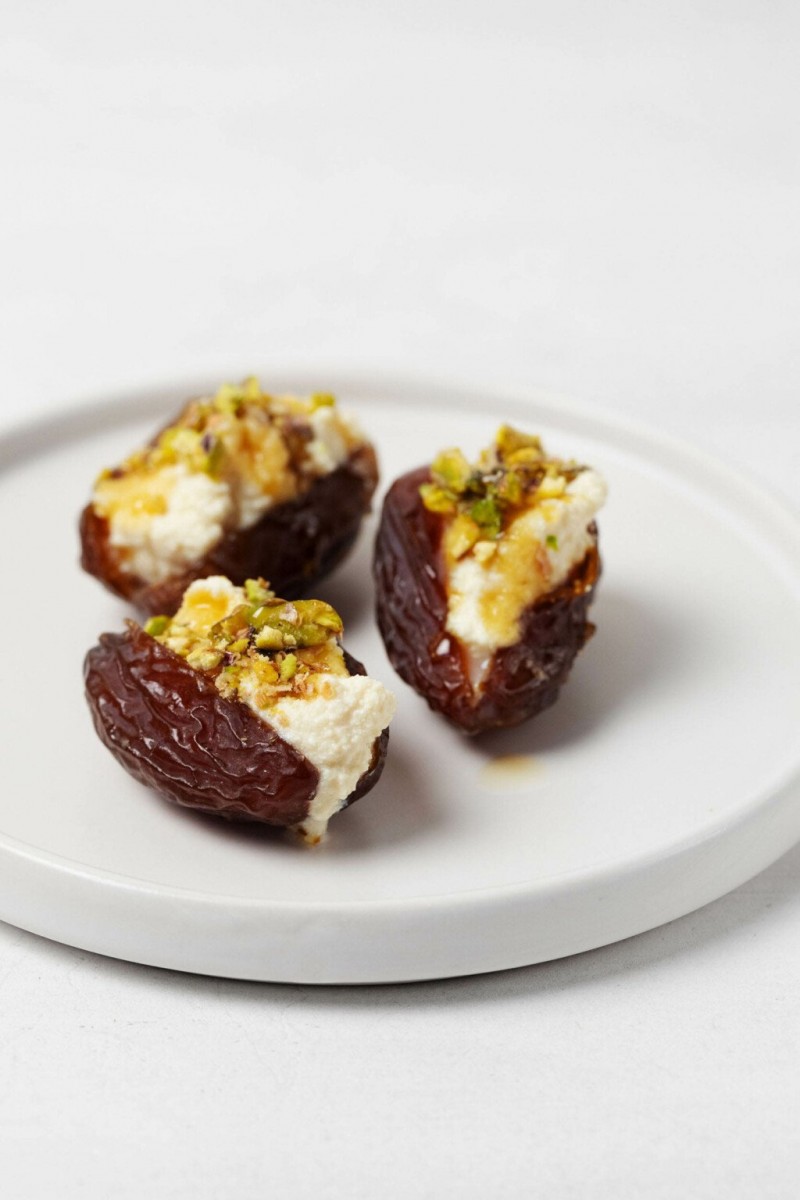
pixel 438 499
pixel 527 457
pixel 509 474
pixel 268 613
pixel 317 612
pixel 251 388
pixel 257 591
pixel 155 626
pixel 204 658
pixel 322 400
pixel 304 623
pixel 215 454
pixel 271 638
pixel 179 443
pixel 510 488
pixel 511 441
pixel 311 635
pixel 451 470
pixel 487 516
pixel 551 541
pixel 463 535
pixel 229 400
pixel 289 667
pixel 232 626
pixel 239 646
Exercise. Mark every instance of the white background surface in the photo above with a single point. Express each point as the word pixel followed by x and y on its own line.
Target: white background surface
pixel 596 199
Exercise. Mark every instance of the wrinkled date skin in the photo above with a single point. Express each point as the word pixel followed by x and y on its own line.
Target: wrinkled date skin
pixel 293 545
pixel 169 727
pixel 411 599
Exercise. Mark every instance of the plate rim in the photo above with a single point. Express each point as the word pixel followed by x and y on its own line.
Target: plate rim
pixel 22 439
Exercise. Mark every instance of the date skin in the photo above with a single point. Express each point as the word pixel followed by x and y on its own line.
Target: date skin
pixel 167 724
pixel 411 601
pixel 293 545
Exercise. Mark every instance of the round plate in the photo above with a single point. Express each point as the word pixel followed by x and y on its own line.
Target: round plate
pixel 666 774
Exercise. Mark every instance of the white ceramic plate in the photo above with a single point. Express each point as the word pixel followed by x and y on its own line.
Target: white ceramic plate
pixel 666 774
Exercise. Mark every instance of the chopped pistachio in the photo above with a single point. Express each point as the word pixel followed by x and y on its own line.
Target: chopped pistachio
pixel 311 634
pixel 464 533
pixel 551 541
pixel 438 499
pixel 229 399
pixel 510 441
pixel 294 638
pixel 206 438
pixel 320 613
pixel 511 474
pixel 451 470
pixel 257 591
pixel 270 613
pixel 233 625
pixel 270 638
pixel 176 443
pixel 215 454
pixel 289 667
pixel 510 488
pixel 204 658
pixel 239 646
pixel 156 625
pixel 487 516
pixel 527 458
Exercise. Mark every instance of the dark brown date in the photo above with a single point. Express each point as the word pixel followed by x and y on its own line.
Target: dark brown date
pixel 167 724
pixel 411 600
pixel 293 545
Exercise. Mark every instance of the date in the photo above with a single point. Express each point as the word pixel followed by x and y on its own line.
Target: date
pixel 295 544
pixel 522 679
pixel 167 724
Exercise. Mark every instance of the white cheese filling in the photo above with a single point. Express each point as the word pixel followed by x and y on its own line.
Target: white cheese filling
pixel 158 545
pixel 328 446
pixel 336 731
pixel 556 537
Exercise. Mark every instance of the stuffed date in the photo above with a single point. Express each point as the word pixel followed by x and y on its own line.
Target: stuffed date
pixel 241 484
pixel 242 705
pixel 484 575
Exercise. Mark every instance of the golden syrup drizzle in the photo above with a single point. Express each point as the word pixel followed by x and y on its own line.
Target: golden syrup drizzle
pixel 509 771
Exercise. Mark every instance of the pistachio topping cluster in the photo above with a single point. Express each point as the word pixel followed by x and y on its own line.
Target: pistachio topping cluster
pixel 248 634
pixel 208 434
pixel 482 499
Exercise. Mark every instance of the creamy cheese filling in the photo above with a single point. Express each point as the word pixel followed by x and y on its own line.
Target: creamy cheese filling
pixel 490 588
pixel 332 718
pixel 335 729
pixel 183 516
pixel 162 518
